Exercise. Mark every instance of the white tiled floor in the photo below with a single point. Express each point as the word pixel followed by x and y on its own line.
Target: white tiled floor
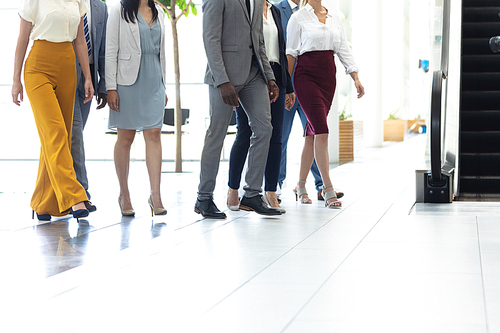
pixel 380 264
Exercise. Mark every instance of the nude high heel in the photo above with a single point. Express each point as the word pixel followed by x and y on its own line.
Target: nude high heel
pixel 234 208
pixel 156 211
pixel 127 212
pixel 269 194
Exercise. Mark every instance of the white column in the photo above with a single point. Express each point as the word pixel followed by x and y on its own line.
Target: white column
pixel 333 116
pixel 367 19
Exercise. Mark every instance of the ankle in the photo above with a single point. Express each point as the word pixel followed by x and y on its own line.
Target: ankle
pixel 80 205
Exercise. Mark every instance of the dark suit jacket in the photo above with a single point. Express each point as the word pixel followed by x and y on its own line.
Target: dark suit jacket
pixel 286 13
pixel 285 76
pixel 99 18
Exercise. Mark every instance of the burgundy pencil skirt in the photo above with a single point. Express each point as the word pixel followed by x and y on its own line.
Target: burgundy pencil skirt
pixel 314 82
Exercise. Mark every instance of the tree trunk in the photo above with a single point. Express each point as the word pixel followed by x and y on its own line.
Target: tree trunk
pixel 178 109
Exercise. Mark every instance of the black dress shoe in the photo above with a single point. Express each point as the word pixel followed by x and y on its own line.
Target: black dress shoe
pixel 208 209
pixel 257 205
pixel 90 207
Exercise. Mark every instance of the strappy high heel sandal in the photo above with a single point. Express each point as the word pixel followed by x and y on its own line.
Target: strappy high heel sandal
pixel 300 191
pixel 331 195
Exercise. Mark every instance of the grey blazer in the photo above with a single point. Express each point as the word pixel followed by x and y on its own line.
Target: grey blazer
pixel 99 17
pixel 230 40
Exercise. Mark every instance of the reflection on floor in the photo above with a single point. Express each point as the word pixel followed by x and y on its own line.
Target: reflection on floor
pixel 380 264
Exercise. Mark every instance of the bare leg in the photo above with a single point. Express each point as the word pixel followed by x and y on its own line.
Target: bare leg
pixel 323 160
pixel 272 199
pixel 122 161
pixel 152 138
pixel 232 197
pixel 306 161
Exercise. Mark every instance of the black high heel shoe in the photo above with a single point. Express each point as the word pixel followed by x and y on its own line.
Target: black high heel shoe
pixel 77 214
pixel 41 217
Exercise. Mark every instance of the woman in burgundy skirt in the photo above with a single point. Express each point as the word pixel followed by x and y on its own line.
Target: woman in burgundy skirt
pixel 314 36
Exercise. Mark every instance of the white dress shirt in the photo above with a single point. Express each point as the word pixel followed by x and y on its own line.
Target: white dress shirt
pixel 53 20
pixel 293 5
pixel 306 33
pixel 271 37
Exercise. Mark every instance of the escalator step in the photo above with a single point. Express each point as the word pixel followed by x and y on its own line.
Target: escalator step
pixel 480 185
pixel 481 82
pixel 481 14
pixel 480 100
pixel 479 142
pixel 480 3
pixel 473 46
pixel 481 63
pixel 477 121
pixel 480 29
pixel 484 165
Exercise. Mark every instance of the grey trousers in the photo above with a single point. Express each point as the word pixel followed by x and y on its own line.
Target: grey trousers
pixel 80 117
pixel 254 98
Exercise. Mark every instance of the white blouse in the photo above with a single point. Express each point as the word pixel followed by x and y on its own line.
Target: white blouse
pixel 306 33
pixel 53 20
pixel 271 37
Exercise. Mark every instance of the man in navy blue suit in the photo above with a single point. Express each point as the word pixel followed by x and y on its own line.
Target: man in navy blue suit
pixel 287 8
pixel 95 28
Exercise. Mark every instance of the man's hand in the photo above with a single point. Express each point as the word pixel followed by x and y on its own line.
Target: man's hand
pixel 102 99
pixel 274 91
pixel 229 94
pixel 113 100
pixel 289 100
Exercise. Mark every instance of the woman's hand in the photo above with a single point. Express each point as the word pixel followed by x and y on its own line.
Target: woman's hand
pixel 17 92
pixel 166 99
pixel 89 91
pixel 113 100
pixel 359 88
pixel 289 100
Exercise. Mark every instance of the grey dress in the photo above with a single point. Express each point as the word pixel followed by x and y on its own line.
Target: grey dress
pixel 141 104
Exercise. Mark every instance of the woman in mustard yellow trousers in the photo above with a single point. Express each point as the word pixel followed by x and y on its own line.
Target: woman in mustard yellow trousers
pixel 50 80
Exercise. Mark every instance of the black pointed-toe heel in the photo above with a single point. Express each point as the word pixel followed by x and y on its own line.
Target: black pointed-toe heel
pixel 40 217
pixel 77 214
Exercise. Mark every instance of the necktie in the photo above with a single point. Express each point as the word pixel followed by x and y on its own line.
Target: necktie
pixel 86 31
pixel 295 9
pixel 248 8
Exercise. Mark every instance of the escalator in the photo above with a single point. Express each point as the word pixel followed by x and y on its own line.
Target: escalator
pixel 479 155
pixel 465 113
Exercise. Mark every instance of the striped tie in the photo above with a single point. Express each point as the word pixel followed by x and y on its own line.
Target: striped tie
pixel 86 30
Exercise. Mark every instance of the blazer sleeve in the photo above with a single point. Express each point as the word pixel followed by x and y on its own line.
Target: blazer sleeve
pixel 112 46
pixel 213 13
pixel 101 86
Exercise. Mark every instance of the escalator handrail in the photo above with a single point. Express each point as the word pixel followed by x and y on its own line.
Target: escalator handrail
pixel 435 130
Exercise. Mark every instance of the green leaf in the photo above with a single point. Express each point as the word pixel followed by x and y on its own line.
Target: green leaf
pixel 194 10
